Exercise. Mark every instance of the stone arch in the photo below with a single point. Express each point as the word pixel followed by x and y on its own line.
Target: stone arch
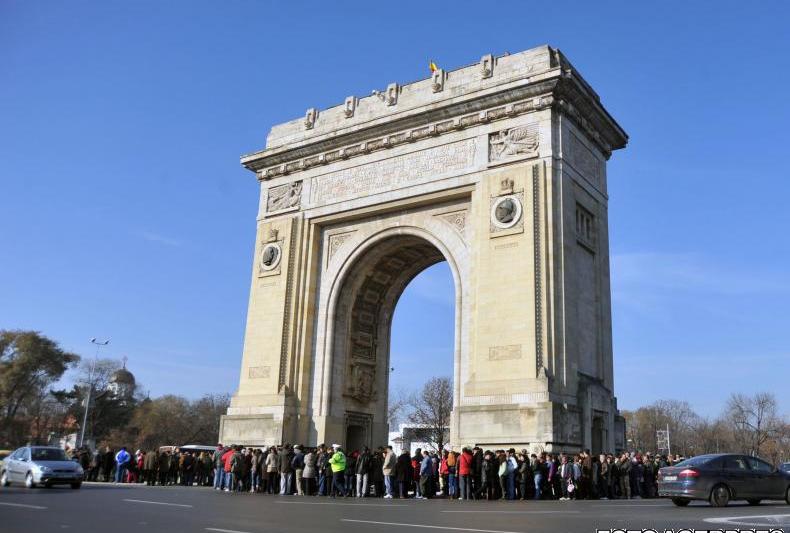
pixel 358 295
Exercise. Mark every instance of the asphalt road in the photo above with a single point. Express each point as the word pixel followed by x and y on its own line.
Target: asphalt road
pixel 135 508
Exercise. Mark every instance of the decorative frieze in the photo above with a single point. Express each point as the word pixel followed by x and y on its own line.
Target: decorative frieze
pixel 411 135
pixel 395 172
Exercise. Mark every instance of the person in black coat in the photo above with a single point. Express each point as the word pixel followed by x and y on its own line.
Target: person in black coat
pixel 477 469
pixel 403 473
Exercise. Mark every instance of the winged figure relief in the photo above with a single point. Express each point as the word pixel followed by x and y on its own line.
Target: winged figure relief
pixel 513 141
pixel 284 196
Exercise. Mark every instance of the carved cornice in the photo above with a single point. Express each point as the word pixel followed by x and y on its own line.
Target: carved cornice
pixel 561 88
pixel 285 160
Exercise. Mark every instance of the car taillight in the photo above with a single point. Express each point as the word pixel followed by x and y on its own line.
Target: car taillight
pixel 688 472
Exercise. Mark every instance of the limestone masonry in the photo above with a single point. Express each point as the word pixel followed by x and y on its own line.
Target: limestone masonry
pixel 498 168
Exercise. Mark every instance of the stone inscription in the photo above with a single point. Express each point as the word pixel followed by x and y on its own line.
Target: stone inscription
pixel 393 173
pixel 504 353
pixel 259 372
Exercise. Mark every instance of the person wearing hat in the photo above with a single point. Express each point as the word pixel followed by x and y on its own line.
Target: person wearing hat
pixel 297 462
pixel 338 464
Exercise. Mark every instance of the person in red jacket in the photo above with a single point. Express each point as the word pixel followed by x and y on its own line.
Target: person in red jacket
pixel 465 473
pixel 443 472
pixel 227 458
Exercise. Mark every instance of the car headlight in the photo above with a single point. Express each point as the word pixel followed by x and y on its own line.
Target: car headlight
pixel 45 469
pixel 79 470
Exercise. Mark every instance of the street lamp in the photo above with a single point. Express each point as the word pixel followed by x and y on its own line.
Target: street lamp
pixel 98 344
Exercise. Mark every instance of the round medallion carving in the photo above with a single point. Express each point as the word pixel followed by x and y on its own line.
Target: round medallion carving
pixel 506 212
pixel 270 256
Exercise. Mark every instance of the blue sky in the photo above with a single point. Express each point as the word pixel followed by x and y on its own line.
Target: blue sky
pixel 125 212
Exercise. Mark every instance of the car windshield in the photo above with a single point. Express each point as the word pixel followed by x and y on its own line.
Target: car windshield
pixel 695 461
pixel 48 454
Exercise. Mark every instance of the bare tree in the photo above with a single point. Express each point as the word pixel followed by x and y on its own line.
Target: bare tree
pixel 754 420
pixel 397 403
pixel 678 416
pixel 431 410
pixel 103 371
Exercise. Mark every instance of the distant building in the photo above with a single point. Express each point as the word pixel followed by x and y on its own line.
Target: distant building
pixel 122 384
pixel 408 437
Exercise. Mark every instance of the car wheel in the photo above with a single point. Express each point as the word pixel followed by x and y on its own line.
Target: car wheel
pixel 4 481
pixel 787 496
pixel 754 502
pixel 720 496
pixel 680 502
pixel 29 483
pixel 75 486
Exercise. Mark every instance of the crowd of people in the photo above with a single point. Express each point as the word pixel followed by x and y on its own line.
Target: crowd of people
pixel 468 474
pixel 167 466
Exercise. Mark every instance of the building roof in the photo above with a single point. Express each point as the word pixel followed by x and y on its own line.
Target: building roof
pixel 123 377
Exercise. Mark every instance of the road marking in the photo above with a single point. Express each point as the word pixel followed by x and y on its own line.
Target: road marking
pixel 224 530
pixel 515 512
pixel 748 520
pixel 22 505
pixel 157 503
pixel 348 504
pixel 634 505
pixel 401 524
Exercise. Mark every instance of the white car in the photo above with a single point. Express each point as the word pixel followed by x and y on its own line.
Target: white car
pixel 40 465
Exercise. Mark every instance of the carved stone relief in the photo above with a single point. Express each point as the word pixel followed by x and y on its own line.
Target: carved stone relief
pixel 361 385
pixel 457 219
pixel 507 144
pixel 335 242
pixel 507 212
pixel 392 173
pixel 271 254
pixel 350 106
pixel 504 353
pixel 437 80
pixel 487 65
pixel 259 372
pixel 310 117
pixel 287 196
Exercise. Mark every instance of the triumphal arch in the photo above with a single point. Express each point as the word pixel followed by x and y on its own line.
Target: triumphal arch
pixel 498 168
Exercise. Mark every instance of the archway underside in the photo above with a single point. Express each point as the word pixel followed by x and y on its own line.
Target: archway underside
pixel 364 314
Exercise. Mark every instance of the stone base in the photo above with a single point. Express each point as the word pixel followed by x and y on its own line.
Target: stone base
pixel 251 430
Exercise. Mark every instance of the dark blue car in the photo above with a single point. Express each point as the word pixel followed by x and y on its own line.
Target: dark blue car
pixel 720 478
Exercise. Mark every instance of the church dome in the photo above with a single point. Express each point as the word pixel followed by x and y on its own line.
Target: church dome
pixel 123 377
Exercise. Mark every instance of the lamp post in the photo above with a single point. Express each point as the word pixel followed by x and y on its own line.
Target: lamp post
pixel 98 344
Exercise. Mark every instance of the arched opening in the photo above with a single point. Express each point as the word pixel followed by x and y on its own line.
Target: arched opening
pixel 362 321
pixel 421 347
